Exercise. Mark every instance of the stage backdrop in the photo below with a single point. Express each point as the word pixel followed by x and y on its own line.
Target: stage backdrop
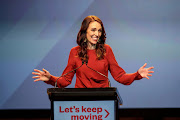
pixel 40 33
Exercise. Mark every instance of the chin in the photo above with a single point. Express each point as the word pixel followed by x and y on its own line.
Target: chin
pixel 93 42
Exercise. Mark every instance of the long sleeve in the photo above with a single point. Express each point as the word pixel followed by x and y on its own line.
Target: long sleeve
pixel 67 79
pixel 86 78
pixel 117 72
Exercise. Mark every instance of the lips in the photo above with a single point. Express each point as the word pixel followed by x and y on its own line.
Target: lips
pixel 95 38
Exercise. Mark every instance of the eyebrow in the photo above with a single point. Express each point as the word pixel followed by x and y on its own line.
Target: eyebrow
pixel 96 28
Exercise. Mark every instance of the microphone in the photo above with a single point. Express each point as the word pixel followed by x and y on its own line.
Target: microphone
pixel 86 61
pixel 83 61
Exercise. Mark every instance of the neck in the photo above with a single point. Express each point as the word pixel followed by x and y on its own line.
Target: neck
pixel 91 46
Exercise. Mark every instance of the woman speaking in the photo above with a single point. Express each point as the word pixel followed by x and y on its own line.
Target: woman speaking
pixel 91 60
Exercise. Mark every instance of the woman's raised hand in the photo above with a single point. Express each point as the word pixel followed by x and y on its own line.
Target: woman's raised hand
pixel 41 75
pixel 144 72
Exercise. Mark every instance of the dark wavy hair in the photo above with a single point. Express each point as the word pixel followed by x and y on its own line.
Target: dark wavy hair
pixel 100 49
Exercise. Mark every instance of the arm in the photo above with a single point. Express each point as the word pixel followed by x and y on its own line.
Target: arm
pixel 45 76
pixel 67 79
pixel 117 72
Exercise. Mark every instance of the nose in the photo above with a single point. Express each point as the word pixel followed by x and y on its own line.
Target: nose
pixel 96 33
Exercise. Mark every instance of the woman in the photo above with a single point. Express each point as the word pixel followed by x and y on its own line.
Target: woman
pixel 99 57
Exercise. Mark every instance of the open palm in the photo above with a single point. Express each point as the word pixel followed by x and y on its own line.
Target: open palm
pixel 144 72
pixel 41 75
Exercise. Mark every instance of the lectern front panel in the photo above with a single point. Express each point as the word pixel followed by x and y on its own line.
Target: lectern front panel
pixel 84 103
pixel 84 110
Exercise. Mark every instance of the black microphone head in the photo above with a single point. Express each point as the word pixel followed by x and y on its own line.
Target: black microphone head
pixel 85 61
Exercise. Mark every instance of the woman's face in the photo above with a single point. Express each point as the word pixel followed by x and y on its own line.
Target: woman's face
pixel 94 32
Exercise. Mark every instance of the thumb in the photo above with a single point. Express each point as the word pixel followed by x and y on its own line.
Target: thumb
pixel 144 65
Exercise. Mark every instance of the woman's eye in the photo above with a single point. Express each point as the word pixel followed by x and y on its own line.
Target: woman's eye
pixel 93 30
pixel 100 30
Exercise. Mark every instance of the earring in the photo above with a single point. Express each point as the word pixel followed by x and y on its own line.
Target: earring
pixel 99 40
pixel 85 40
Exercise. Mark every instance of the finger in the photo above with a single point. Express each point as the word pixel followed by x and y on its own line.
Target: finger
pixel 149 75
pixel 150 71
pixel 150 68
pixel 144 65
pixel 45 70
pixel 146 77
pixel 36 77
pixel 36 70
pixel 35 73
pixel 37 80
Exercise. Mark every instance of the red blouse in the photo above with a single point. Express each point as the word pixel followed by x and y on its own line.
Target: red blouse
pixel 87 78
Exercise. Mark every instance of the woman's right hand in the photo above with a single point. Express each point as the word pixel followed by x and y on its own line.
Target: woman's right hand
pixel 41 75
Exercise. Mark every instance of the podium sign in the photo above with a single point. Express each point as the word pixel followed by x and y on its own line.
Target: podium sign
pixel 84 110
pixel 84 103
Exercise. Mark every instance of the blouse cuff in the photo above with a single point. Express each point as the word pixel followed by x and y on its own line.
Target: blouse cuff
pixel 51 80
pixel 138 77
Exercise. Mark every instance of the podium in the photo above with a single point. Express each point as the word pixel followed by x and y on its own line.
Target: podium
pixel 84 103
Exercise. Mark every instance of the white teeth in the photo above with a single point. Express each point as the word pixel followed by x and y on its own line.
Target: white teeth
pixel 94 38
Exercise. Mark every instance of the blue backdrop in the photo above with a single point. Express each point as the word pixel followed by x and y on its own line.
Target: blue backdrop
pixel 40 33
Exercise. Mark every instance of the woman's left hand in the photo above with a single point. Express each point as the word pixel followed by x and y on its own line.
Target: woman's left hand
pixel 144 72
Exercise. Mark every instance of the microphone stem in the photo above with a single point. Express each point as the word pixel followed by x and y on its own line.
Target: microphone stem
pixel 66 74
pixel 97 72
pixel 100 74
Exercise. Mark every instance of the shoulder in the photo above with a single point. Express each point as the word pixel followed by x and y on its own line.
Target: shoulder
pixel 74 50
pixel 107 47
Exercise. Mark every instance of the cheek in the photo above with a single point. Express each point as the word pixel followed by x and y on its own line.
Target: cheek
pixel 89 34
pixel 100 34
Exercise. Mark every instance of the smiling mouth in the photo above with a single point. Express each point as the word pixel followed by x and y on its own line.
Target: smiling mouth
pixel 95 38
